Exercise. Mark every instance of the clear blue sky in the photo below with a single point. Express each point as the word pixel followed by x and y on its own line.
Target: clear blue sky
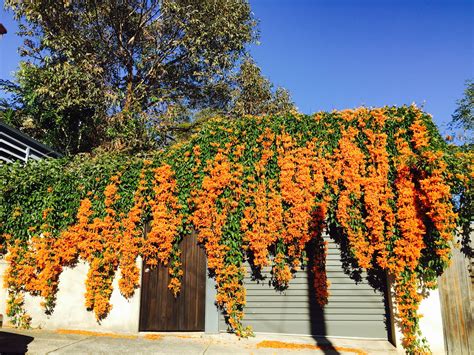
pixel 334 54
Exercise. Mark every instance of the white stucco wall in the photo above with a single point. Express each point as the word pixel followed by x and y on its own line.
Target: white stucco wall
pixel 70 311
pixel 431 324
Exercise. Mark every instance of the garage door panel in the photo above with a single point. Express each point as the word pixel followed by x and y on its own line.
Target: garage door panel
pixel 335 273
pixel 252 286
pixel 330 305
pixel 342 328
pixel 283 310
pixel 335 290
pixel 374 299
pixel 299 317
pixel 355 309
pixel 304 281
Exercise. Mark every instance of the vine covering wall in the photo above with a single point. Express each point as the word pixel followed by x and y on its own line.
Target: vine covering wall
pixel 259 189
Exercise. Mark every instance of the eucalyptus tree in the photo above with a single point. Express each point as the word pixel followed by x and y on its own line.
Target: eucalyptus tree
pixel 136 62
pixel 246 92
pixel 254 94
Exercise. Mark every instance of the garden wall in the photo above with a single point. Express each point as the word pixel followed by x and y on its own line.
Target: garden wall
pixel 70 312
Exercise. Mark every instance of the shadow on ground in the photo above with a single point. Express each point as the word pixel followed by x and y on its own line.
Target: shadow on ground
pixel 11 343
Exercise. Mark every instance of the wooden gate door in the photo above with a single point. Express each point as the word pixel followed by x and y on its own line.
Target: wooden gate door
pixel 455 290
pixel 159 310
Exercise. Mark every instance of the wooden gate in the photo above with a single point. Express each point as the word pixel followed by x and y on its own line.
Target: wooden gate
pixel 159 310
pixel 456 305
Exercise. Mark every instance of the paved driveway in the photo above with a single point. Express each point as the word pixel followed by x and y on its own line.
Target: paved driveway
pixel 83 342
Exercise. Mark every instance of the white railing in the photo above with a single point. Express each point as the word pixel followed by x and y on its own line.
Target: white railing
pixel 12 149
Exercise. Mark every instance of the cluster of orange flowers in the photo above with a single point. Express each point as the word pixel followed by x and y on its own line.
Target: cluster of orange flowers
pixel 365 194
pixel 420 195
pixel 99 250
pixel 380 218
pixel 105 243
pixel 34 267
pixel 350 167
pixel 278 212
pixel 165 218
pixel 231 297
pixel 407 251
pixel 165 223
pixel 176 272
pixel 16 276
pixel 209 219
pixel 436 198
pixel 298 192
pixel 321 282
pixel 132 238
pixel 262 222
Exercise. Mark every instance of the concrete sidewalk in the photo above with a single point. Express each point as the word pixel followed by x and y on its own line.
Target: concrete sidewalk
pixel 67 342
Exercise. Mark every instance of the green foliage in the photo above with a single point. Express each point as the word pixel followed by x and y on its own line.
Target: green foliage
pixel 254 93
pixel 139 59
pixel 60 104
pixel 8 113
pixel 247 92
pixel 461 166
pixel 463 161
pixel 463 117
pixel 25 187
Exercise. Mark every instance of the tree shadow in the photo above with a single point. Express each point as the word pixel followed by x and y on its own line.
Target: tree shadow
pixel 11 343
pixel 349 263
pixel 317 317
pixel 376 278
pixel 256 272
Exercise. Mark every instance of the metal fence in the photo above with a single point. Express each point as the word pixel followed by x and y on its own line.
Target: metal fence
pixel 15 145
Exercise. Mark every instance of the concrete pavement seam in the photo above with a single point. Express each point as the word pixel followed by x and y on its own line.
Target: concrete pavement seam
pixel 207 347
pixel 65 346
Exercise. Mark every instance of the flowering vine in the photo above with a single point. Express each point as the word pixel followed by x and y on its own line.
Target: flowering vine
pixel 259 190
pixel 132 237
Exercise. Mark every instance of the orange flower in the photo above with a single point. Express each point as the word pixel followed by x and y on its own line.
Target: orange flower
pixel 350 164
pixel 298 191
pixel 420 134
pixel 132 239
pixel 262 221
pixel 380 218
pixel 165 218
pixel 321 282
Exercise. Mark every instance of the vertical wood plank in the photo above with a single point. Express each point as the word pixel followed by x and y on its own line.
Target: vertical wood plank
pixel 159 309
pixel 455 293
pixel 201 287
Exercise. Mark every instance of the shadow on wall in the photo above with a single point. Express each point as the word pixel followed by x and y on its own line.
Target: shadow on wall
pixel 377 279
pixel 11 343
pixel 318 321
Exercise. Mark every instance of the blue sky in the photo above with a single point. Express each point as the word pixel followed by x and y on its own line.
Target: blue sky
pixel 334 54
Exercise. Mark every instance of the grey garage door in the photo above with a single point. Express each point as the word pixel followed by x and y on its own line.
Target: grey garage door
pixel 355 309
